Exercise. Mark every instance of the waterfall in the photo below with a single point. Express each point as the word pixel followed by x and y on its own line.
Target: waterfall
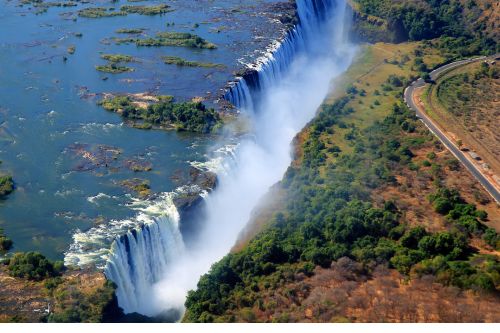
pixel 140 258
pixel 268 70
pixel 151 266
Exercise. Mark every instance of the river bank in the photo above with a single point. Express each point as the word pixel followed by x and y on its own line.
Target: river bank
pixel 82 177
pixel 366 177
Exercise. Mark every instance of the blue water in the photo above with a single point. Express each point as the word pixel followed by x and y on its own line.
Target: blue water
pixel 48 105
pixel 153 268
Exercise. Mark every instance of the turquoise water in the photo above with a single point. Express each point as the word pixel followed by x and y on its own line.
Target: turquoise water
pixel 48 110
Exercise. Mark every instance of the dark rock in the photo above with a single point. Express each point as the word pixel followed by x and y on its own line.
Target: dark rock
pixel 205 179
pixel 190 204
pixel 285 12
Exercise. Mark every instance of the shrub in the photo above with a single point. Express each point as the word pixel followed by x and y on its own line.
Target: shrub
pixel 33 266
pixel 185 116
pixel 395 80
pixel 5 242
pixel 482 215
pixel 492 238
pixel 442 205
pixel 412 237
pixel 6 185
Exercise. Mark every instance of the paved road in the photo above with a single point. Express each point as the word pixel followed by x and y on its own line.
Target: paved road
pixel 408 97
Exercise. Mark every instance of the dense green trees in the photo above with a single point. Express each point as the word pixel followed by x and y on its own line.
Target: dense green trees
pixel 329 215
pixel 492 238
pixel 185 116
pixel 33 266
pixel 6 185
pixel 5 242
pixel 465 216
pixel 458 26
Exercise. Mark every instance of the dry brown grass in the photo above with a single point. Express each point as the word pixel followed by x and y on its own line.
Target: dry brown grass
pixel 346 293
pixel 29 301
pixel 21 300
pixel 478 117
pixel 413 187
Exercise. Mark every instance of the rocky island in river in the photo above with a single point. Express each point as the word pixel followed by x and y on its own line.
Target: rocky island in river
pixel 249 161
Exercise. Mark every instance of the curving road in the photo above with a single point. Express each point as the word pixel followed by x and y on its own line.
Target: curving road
pixel 409 100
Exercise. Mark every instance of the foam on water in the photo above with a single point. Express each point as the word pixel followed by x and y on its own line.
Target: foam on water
pixel 91 128
pixel 219 161
pixel 94 199
pixel 95 245
pixel 148 260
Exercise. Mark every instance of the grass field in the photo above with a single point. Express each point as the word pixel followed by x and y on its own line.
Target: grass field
pixel 369 89
pixel 369 75
pixel 466 102
pixel 369 72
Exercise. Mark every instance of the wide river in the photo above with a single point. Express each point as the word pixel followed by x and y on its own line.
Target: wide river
pixel 52 132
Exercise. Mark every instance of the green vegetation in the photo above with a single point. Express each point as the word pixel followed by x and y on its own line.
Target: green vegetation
pixel 73 304
pixel 33 266
pixel 492 238
pixel 182 62
pixel 130 31
pixel 461 28
pixel 113 68
pixel 180 39
pixel 176 39
pixel 5 242
pixel 43 6
pixel 113 65
pixel 98 12
pixel 6 186
pixel 185 116
pixel 465 216
pixel 146 10
pixel 329 215
pixel 124 40
pixel 140 186
pixel 117 57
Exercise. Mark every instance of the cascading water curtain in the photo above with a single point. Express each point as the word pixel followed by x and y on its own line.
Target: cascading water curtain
pixel 151 267
pixel 244 93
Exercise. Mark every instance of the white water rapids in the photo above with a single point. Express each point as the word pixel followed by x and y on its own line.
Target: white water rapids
pixel 152 266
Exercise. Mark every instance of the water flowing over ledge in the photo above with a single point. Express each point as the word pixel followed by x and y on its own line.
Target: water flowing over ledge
pixel 245 91
pixel 93 247
pixel 151 264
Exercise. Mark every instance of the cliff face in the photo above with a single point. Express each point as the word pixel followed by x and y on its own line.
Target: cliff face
pixel 400 20
pixel 369 28
pixel 191 205
pixel 342 236
pixel 76 296
pixel 21 301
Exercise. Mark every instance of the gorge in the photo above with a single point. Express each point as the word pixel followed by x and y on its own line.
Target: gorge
pixel 242 161
pixel 152 267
